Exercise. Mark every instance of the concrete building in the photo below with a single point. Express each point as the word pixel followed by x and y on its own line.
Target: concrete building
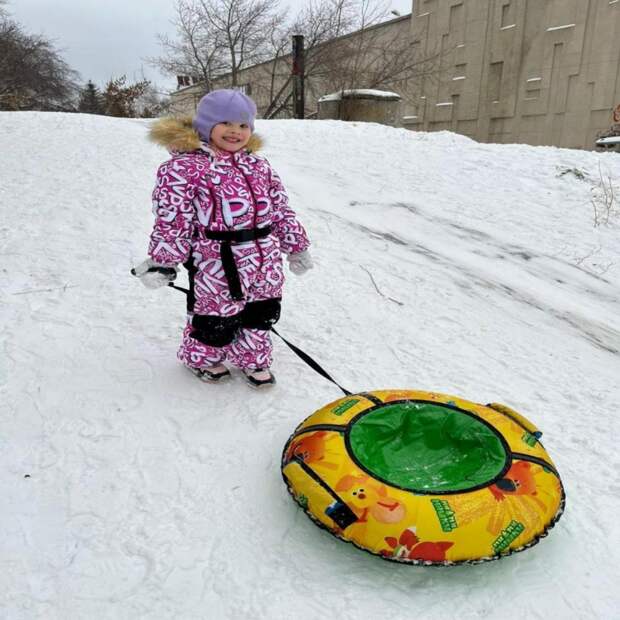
pixel 528 71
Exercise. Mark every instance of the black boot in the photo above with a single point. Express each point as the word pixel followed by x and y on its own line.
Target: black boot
pixel 259 381
pixel 204 374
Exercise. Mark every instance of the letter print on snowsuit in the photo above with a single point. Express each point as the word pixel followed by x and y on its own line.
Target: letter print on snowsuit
pixel 202 197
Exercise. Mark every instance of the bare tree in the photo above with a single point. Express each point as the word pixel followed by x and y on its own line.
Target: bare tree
pixel 346 49
pixel 217 37
pixel 195 51
pixel 276 77
pixel 243 25
pixel 153 102
pixel 319 22
pixel 369 59
pixel 33 75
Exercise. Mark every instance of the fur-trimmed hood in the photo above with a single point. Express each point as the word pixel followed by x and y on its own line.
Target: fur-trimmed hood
pixel 178 135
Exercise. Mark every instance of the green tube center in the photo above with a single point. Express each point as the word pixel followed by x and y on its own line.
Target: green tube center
pixel 427 448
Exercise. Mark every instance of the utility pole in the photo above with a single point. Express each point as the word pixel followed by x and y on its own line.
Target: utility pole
pixel 298 76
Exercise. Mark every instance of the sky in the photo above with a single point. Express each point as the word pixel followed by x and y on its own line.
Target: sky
pixel 109 38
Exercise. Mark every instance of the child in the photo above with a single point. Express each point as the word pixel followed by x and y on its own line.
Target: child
pixel 222 212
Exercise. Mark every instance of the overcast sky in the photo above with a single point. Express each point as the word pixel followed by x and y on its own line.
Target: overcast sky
pixel 109 38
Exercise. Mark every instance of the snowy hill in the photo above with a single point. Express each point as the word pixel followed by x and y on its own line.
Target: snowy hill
pixel 133 491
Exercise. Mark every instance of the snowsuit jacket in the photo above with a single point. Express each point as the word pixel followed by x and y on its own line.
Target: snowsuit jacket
pixel 201 190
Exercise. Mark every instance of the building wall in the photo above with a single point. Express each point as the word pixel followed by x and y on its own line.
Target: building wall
pixel 185 100
pixel 531 71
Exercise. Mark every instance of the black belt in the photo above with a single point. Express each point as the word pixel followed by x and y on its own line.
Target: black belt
pixel 227 239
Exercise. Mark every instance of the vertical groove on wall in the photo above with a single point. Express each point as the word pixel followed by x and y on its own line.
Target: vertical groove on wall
pixel 484 106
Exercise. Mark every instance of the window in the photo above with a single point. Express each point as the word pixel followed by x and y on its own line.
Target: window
pixel 508 15
pixel 532 88
pixel 460 71
pixel 495 81
pixel 456 17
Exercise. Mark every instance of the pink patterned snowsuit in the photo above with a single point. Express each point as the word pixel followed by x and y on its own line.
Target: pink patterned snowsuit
pixel 207 190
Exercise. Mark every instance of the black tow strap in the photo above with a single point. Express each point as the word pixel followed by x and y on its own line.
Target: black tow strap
pixel 227 238
pixel 306 358
pixel 301 354
pixel 178 288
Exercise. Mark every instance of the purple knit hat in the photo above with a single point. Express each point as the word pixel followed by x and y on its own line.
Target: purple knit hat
pixel 221 106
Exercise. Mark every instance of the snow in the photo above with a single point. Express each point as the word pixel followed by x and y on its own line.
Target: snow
pixel 133 491
pixel 360 93
pixel 609 140
pixel 563 27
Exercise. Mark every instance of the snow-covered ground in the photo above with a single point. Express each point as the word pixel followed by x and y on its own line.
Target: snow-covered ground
pixel 130 490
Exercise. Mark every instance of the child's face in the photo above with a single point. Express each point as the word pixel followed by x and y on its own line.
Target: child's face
pixel 230 136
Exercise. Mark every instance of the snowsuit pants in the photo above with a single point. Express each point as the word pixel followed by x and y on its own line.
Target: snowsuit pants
pixel 250 348
pixel 220 329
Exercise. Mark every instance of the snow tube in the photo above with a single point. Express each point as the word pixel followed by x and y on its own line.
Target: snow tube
pixel 424 478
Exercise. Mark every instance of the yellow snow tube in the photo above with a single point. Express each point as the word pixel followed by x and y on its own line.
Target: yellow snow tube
pixel 424 478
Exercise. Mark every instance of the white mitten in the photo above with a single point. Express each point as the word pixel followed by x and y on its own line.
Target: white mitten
pixel 154 275
pixel 300 263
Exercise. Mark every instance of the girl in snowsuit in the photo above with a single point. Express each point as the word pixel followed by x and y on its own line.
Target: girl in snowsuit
pixel 222 212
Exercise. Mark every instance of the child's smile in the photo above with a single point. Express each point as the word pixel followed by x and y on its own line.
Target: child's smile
pixel 230 137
